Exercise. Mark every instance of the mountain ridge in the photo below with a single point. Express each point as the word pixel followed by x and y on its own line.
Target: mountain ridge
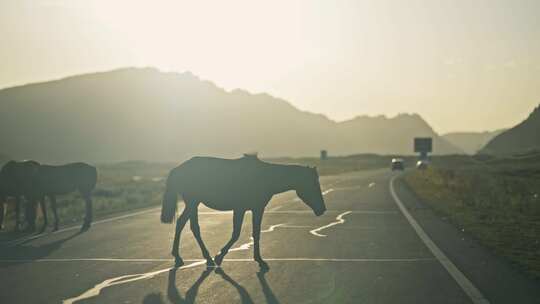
pixel 142 113
pixel 471 142
pixel 523 138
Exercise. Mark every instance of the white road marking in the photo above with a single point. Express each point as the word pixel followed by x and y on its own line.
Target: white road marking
pixel 371 185
pixel 325 192
pixel 246 246
pixel 308 212
pixel 96 290
pixel 333 211
pixel 72 228
pixel 339 220
pixel 467 286
pixel 121 260
pixel 33 237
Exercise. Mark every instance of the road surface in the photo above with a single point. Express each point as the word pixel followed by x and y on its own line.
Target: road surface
pixel 375 244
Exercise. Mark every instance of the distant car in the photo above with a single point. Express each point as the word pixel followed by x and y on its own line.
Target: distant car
pixel 422 164
pixel 398 164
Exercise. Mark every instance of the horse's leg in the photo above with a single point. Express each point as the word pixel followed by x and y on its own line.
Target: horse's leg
pixel 17 213
pixel 2 210
pixel 256 233
pixel 194 224
pixel 52 199
pixel 238 218
pixel 43 212
pixel 180 223
pixel 30 213
pixel 88 213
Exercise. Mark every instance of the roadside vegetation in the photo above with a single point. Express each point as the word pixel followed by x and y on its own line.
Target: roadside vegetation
pixel 495 200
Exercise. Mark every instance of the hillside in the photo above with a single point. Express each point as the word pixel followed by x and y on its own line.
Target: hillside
pixel 146 114
pixel 471 142
pixel 523 138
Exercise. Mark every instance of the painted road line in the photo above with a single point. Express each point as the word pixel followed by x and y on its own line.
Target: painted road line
pixel 111 219
pixel 248 245
pixel 96 290
pixel 136 260
pixel 72 228
pixel 467 286
pixel 339 220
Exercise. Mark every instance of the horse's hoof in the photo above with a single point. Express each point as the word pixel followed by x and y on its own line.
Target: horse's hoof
pixel 178 262
pixel 55 228
pixel 219 271
pixel 218 259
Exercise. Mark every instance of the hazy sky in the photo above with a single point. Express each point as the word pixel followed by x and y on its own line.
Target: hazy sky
pixel 462 64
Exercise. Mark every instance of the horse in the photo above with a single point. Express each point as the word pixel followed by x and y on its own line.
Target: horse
pixel 240 185
pixel 16 181
pixel 50 181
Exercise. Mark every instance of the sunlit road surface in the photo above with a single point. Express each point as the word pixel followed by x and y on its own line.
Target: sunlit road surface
pixel 364 249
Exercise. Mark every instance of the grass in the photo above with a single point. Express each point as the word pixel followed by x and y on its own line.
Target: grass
pixel 497 201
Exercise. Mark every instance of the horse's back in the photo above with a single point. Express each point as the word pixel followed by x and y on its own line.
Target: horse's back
pixel 220 170
pixel 17 176
pixel 218 182
pixel 65 178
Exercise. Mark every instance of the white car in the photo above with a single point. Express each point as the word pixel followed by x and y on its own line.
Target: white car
pixel 398 164
pixel 422 164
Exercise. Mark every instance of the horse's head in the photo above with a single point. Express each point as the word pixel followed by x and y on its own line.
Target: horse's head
pixel 309 191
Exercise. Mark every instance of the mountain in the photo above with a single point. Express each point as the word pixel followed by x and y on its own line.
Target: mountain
pixel 146 114
pixel 471 142
pixel 4 158
pixel 522 138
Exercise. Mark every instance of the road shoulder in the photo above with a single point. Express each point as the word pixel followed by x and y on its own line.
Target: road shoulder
pixel 498 280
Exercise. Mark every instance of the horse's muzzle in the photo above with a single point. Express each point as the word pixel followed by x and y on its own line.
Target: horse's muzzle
pixel 319 212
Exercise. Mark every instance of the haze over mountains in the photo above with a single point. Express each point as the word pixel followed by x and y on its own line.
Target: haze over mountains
pixel 523 138
pixel 146 114
pixel 471 142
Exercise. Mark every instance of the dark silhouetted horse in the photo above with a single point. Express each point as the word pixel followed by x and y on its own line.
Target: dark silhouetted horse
pixel 56 180
pixel 16 181
pixel 238 185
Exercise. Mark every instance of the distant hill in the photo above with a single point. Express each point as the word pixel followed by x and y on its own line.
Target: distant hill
pixel 4 158
pixel 471 142
pixel 523 138
pixel 146 114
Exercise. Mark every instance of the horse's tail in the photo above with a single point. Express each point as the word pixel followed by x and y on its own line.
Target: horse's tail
pixel 170 202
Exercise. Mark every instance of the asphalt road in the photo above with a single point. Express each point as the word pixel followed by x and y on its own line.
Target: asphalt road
pixel 364 249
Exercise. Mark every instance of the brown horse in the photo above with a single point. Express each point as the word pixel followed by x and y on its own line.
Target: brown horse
pixel 51 181
pixel 238 185
pixel 16 181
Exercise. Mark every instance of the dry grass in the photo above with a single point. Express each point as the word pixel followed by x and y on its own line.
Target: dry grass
pixel 499 206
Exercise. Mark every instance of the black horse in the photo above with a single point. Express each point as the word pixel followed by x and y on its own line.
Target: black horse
pixel 239 185
pixel 16 182
pixel 56 180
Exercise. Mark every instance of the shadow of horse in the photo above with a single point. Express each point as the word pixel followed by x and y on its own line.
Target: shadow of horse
pixel 174 296
pixel 22 253
pixel 267 291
